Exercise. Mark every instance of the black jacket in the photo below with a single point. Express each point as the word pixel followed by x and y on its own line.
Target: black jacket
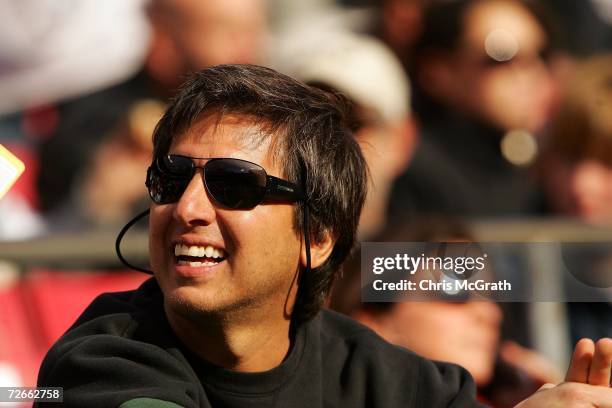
pixel 122 352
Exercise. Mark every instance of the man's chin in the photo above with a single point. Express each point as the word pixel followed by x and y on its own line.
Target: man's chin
pixel 196 303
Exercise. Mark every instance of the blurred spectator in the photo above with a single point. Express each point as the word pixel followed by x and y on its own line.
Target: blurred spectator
pixel 187 35
pixel 48 53
pixel 586 25
pixel 577 160
pixel 397 23
pixel 52 50
pixel 462 332
pixel 190 35
pixel 576 167
pixel 111 187
pixel 399 26
pixel 483 90
pixel 365 71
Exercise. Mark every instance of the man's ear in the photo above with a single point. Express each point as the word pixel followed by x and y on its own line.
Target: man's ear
pixel 319 250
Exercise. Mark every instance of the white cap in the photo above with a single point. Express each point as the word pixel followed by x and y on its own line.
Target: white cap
pixel 361 67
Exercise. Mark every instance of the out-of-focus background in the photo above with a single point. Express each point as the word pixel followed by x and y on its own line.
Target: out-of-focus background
pixel 495 115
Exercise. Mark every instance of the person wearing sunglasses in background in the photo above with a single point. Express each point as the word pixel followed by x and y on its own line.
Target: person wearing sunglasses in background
pixel 483 92
pixel 257 186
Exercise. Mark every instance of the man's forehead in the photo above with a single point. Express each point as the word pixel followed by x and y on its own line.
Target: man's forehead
pixel 230 134
pixel 242 131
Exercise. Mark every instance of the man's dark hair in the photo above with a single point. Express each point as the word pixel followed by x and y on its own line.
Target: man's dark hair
pixel 309 136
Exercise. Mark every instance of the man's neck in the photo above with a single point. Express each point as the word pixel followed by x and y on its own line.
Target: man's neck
pixel 246 344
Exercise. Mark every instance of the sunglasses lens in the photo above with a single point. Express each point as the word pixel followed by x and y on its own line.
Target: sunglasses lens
pixel 235 183
pixel 168 178
pixel 164 189
pixel 176 166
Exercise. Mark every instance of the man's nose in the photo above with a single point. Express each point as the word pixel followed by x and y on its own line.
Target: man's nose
pixel 195 207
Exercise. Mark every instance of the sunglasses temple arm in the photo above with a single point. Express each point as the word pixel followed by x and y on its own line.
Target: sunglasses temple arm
pixel 307 236
pixel 125 228
pixel 277 188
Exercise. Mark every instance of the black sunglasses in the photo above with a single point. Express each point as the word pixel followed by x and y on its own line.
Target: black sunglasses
pixel 233 183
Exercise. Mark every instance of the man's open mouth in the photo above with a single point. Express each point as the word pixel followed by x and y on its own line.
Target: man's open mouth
pixel 193 255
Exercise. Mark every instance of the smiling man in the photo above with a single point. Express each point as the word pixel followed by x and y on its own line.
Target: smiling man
pixel 229 269
pixel 257 186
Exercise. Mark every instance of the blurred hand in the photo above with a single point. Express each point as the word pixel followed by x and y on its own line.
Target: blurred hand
pixel 536 366
pixel 587 383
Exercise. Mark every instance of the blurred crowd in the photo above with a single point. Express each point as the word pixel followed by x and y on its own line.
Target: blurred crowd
pixel 464 108
pixel 467 108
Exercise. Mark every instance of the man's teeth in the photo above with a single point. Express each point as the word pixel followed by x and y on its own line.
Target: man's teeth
pixel 198 251
pixel 196 263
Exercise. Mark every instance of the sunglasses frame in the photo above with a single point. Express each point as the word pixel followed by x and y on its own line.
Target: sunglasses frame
pixel 275 189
